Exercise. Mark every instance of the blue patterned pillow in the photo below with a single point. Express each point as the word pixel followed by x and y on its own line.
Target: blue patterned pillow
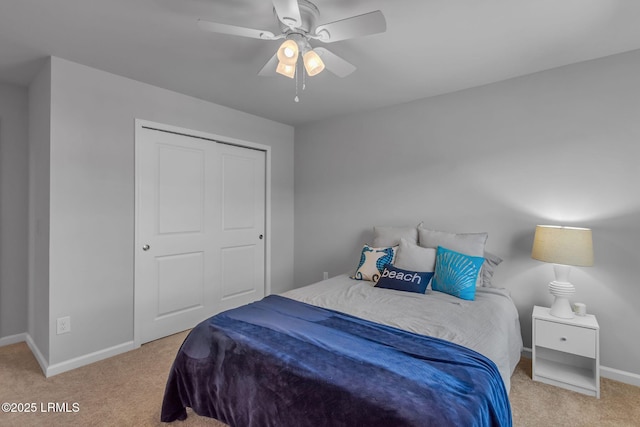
pixel 372 262
pixel 404 280
pixel 456 274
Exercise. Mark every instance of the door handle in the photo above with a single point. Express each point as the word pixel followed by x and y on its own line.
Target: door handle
pixel 146 247
pixel 261 237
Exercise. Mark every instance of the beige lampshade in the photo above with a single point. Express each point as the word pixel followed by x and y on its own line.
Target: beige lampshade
pixel 563 245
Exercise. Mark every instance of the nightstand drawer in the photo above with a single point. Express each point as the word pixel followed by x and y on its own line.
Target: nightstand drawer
pixel 567 338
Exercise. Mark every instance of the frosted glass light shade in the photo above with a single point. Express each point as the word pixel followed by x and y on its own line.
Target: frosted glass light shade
pixel 286 70
pixel 288 52
pixel 563 245
pixel 312 63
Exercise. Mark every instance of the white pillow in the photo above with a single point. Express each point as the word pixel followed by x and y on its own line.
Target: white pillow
pixel 412 257
pixel 466 243
pixel 491 261
pixel 390 236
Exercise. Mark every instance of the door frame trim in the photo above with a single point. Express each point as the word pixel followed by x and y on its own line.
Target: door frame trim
pixel 141 124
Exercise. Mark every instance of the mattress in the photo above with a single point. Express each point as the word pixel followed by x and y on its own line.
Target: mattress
pixel 489 325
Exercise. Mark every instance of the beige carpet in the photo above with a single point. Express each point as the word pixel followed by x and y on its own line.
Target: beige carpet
pixel 127 390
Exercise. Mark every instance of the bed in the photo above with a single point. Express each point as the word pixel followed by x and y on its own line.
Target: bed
pixel 215 377
pixel 489 325
pixel 342 352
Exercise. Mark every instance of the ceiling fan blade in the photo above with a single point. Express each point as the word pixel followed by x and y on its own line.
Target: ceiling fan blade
pixel 334 63
pixel 269 68
pixel 356 26
pixel 234 30
pixel 288 12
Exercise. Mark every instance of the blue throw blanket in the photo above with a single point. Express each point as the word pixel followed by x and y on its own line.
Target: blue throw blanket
pixel 279 362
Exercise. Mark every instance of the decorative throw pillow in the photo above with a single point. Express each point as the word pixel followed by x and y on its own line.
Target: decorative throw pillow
pixel 372 262
pixel 466 243
pixel 404 280
pixel 491 261
pixel 390 236
pixel 415 258
pixel 456 273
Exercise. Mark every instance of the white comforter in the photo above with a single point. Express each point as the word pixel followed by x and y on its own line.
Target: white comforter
pixel 488 325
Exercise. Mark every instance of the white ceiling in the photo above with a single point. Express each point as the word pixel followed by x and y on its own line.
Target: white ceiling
pixel 430 47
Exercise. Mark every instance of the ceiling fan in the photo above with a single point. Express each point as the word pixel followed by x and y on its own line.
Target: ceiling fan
pixel 298 24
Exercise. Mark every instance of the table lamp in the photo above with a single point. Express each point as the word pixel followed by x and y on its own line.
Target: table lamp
pixel 564 247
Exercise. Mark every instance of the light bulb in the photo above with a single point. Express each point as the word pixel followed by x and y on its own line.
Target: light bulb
pixel 288 52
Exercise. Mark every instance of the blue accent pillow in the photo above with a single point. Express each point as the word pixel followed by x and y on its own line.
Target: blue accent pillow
pixel 456 273
pixel 404 280
pixel 372 262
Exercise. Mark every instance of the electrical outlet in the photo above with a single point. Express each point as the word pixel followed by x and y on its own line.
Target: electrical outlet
pixel 64 325
pixel 325 275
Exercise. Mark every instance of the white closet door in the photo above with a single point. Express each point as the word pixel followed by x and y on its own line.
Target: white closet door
pixel 242 248
pixel 199 202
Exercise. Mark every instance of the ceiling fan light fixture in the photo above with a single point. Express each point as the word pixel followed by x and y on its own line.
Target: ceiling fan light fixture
pixel 297 21
pixel 312 63
pixel 286 69
pixel 288 52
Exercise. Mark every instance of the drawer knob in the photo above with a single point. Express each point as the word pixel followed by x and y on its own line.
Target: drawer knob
pixel 563 338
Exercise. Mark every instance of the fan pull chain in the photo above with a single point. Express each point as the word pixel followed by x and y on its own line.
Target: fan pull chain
pixel 300 69
pixel 304 78
pixel 296 98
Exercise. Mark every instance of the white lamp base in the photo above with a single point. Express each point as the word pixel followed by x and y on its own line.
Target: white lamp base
pixel 561 289
pixel 561 308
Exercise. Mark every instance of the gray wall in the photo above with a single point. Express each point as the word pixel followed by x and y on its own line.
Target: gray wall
pixel 559 147
pixel 92 196
pixel 13 207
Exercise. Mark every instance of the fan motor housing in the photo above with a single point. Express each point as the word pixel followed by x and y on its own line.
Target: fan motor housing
pixel 309 14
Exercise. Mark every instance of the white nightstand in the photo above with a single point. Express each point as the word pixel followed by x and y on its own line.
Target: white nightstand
pixel 566 352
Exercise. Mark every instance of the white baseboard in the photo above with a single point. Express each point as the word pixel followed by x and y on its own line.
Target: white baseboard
pixel 42 361
pixel 87 359
pixel 605 372
pixel 618 375
pixel 13 339
pixel 67 365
